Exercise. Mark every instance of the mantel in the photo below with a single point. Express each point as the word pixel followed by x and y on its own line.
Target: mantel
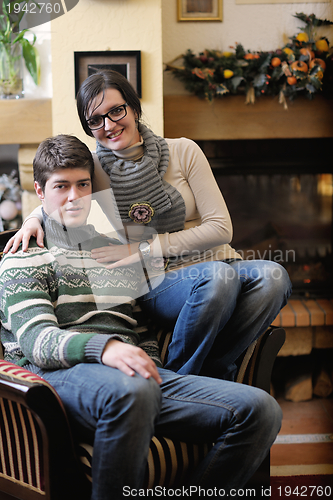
pixel 230 118
pixel 25 121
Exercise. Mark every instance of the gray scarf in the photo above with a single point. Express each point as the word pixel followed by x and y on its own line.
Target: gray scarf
pixel 141 194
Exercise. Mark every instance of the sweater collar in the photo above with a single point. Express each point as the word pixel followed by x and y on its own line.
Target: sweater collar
pixel 133 153
pixel 65 237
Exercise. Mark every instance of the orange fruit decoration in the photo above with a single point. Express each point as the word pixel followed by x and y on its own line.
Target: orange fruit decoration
pixel 227 73
pixel 275 62
pixel 307 52
pixel 288 51
pixel 322 45
pixel 299 66
pixel 318 62
pixel 292 80
pixel 302 37
pixel 250 56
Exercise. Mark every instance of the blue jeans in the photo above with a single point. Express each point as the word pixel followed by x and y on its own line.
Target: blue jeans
pixel 122 414
pixel 216 310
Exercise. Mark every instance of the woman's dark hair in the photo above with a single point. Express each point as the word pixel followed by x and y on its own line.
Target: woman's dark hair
pixel 99 82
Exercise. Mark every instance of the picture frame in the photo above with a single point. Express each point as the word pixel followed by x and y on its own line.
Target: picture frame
pixel 126 62
pixel 199 10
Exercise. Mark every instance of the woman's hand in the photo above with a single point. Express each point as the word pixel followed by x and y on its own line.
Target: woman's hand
pixel 116 253
pixel 31 227
pixel 129 359
pixel 127 261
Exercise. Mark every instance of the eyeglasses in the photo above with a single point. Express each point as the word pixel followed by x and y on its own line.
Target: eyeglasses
pixel 115 114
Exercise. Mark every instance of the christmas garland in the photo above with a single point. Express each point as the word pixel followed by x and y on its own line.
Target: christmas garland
pixel 303 66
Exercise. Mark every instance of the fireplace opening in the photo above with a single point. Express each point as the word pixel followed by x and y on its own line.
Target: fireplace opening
pixel 281 205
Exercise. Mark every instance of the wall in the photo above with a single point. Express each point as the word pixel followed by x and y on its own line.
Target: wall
pixel 256 27
pixel 43 45
pixel 96 25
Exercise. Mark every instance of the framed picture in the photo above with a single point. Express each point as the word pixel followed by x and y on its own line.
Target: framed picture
pixel 199 10
pixel 126 62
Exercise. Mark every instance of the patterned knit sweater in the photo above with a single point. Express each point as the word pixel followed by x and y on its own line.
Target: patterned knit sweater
pixel 59 307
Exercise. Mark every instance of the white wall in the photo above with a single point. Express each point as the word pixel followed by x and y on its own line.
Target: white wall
pixel 97 25
pixel 256 27
pixel 43 45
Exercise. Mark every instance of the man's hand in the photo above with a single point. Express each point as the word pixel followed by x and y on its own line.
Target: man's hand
pixel 129 359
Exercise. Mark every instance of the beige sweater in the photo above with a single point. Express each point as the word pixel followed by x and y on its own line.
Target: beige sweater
pixel 208 227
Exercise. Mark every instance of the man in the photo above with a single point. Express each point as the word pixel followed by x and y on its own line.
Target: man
pixel 71 320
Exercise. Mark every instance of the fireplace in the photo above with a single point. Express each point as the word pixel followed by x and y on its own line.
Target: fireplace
pixel 279 194
pixel 274 168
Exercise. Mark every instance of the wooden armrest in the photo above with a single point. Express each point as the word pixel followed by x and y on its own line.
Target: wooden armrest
pixel 29 403
pixel 264 357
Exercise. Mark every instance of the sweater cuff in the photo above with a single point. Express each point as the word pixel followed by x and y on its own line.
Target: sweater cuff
pixel 95 347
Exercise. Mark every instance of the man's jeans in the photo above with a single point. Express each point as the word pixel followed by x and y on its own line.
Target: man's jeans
pixel 217 310
pixel 122 413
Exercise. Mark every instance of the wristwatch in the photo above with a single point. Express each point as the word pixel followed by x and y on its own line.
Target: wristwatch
pixel 144 248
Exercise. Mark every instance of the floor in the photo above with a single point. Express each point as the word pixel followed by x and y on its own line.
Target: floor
pixel 305 443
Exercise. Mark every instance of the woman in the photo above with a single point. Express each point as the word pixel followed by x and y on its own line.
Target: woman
pixel 216 303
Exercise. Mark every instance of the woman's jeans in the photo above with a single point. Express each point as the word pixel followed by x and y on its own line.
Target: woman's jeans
pixel 122 413
pixel 217 309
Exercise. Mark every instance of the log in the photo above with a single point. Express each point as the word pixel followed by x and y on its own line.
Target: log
pixel 299 388
pixel 323 385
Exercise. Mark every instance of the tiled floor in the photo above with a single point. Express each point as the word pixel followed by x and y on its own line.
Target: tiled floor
pixel 305 442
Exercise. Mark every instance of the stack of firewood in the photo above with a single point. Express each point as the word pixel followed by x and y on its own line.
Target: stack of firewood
pixel 299 378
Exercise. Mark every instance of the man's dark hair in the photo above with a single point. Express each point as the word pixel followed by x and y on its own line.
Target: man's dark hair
pixel 61 151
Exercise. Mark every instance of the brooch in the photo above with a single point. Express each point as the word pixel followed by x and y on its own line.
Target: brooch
pixel 141 213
